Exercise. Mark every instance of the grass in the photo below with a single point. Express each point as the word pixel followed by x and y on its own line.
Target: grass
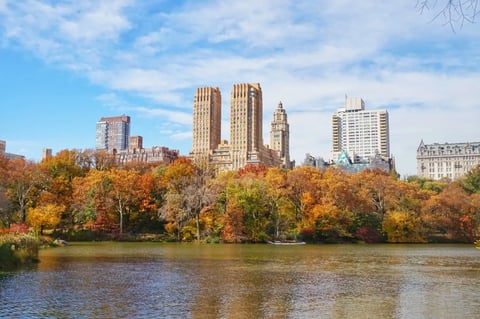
pixel 18 250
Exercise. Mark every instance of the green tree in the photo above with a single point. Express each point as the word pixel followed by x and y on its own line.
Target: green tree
pixel 471 181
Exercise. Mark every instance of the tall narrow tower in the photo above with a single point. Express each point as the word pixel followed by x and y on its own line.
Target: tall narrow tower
pixel 280 135
pixel 113 133
pixel 246 111
pixel 207 111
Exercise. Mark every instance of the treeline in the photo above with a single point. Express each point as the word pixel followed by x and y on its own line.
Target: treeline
pixel 75 192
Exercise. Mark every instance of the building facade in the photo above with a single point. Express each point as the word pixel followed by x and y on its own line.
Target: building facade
pixel 446 161
pixel 280 135
pixel 246 124
pixel 4 153
pixel 153 155
pixel 207 122
pixel 113 133
pixel 362 134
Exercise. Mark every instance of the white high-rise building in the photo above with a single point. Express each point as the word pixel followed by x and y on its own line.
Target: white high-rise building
pixel 362 134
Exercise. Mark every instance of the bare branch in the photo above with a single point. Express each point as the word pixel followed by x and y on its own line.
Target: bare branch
pixel 454 12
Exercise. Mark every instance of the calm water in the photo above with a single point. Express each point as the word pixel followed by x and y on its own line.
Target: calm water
pixel 153 280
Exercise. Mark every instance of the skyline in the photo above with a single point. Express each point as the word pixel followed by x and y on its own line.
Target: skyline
pixel 65 65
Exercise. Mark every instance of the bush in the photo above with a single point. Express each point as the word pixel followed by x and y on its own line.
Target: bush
pixel 17 250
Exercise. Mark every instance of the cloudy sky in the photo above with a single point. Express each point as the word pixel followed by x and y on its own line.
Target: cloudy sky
pixel 65 64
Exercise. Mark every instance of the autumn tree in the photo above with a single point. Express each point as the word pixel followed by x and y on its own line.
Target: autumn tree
pixel 177 177
pixel 47 215
pixel 282 213
pixel 91 202
pixel 61 170
pixel 403 227
pixel 23 181
pixel 190 193
pixel 450 215
pixel 247 197
pixel 124 192
pixel 299 183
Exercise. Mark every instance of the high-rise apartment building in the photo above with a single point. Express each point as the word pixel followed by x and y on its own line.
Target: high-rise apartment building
pixel 280 135
pixel 246 111
pixel 207 126
pixel 362 134
pixel 449 160
pixel 113 133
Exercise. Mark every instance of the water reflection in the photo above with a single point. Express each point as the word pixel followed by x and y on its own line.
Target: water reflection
pixel 127 280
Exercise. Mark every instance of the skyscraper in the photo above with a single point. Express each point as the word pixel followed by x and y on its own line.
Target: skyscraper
pixel 361 134
pixel 207 111
pixel 280 135
pixel 113 133
pixel 246 110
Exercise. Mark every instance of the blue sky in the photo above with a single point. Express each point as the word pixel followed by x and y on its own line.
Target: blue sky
pixel 65 64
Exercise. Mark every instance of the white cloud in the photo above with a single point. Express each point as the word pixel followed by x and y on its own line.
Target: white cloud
pixel 306 54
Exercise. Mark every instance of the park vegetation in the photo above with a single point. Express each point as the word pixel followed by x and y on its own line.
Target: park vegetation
pixel 84 195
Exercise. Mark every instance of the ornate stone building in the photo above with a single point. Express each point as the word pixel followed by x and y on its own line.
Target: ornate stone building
pixel 280 136
pixel 451 161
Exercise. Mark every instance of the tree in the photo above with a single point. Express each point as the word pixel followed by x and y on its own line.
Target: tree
pixel 176 178
pixel 450 215
pixel 191 195
pixel 248 195
pixel 403 227
pixel 48 215
pixel 471 181
pixel 91 203
pixel 22 181
pixel 453 12
pixel 299 182
pixel 123 191
pixel 281 210
pixel 61 170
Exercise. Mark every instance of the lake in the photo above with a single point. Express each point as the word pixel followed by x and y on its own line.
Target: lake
pixel 158 280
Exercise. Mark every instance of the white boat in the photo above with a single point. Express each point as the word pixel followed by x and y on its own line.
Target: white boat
pixel 277 242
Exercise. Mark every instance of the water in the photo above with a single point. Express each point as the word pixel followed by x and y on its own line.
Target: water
pixel 153 280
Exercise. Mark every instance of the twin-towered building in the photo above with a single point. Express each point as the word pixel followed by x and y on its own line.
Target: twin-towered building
pixel 246 130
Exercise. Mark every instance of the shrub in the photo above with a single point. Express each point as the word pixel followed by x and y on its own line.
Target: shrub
pixel 17 250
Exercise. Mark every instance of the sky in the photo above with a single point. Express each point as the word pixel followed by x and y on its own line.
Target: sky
pixel 66 64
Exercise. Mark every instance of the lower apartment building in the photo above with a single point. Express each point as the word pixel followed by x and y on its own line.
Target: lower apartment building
pixel 447 161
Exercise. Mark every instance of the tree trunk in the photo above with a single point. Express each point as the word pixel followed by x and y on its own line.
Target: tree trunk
pixel 197 221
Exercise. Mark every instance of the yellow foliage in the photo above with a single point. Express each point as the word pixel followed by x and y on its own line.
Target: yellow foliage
pixel 403 227
pixel 48 215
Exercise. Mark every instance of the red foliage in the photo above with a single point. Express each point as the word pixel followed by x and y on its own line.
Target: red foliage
pixel 259 170
pixel 15 228
pixel 368 235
